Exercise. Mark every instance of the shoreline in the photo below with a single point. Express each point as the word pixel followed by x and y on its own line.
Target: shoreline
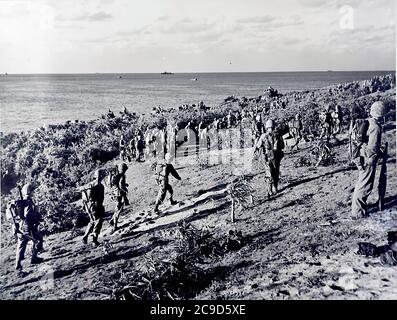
pixel 288 93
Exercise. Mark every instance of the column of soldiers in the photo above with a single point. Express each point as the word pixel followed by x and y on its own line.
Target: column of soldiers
pixel 268 143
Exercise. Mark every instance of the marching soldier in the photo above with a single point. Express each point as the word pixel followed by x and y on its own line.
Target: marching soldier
pixel 336 121
pixel 122 146
pixel 119 191
pixel 370 152
pixel 296 130
pixel 26 219
pixel 93 196
pixel 257 128
pixel 271 145
pixel 325 124
pixel 163 171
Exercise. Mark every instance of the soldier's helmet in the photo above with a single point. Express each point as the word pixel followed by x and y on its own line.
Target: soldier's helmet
pixel 297 116
pixel 167 157
pixel 270 124
pixel 258 117
pixel 27 189
pixel 378 109
pixel 122 167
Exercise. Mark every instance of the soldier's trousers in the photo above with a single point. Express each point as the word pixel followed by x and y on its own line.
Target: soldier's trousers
pixel 164 187
pixel 363 189
pixel 95 225
pixel 272 172
pixel 93 228
pixel 22 243
pixel 120 203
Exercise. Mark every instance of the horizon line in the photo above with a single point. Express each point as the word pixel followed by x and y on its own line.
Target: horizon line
pixel 190 72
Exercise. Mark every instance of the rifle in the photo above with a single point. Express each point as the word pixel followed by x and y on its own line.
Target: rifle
pixel 383 179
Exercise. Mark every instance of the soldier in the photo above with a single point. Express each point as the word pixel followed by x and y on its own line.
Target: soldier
pixel 325 124
pixel 122 148
pixel 119 192
pixel 163 171
pixel 257 128
pixel 296 130
pixel 26 219
pixel 271 145
pixel 140 147
pixel 132 147
pixel 93 196
pixel 370 152
pixel 336 121
pixel 229 119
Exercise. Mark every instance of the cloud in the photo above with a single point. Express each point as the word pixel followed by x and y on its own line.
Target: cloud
pixel 94 17
pixel 272 23
pixel 257 19
pixel 100 16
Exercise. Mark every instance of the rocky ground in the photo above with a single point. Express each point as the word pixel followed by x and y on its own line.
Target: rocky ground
pixel 300 244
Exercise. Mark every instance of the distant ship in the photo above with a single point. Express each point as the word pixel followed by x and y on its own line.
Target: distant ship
pixel 194 79
pixel 165 72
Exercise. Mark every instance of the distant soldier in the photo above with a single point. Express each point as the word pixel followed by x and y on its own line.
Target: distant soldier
pixel 238 118
pixel 215 124
pixel 369 153
pixel 26 219
pixel 163 170
pixel 229 119
pixel 93 195
pixel 257 128
pixel 132 147
pixel 119 192
pixel 271 145
pixel 140 147
pixel 336 121
pixel 325 124
pixel 295 128
pixel 122 148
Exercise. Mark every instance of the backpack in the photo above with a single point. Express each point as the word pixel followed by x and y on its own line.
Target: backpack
pixel 359 131
pixel 159 172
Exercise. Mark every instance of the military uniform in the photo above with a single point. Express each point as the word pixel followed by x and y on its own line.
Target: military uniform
pixel 119 191
pixel 93 198
pixel 370 153
pixel 326 125
pixel 296 127
pixel 336 122
pixel 163 172
pixel 26 222
pixel 271 145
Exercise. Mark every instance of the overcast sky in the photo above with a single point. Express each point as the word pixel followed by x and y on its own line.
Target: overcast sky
pixel 71 36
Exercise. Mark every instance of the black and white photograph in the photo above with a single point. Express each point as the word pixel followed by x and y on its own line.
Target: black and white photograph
pixel 178 150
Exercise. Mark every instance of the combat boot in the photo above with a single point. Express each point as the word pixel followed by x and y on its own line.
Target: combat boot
pixel 18 266
pixel 173 202
pixel 36 260
pixel 95 242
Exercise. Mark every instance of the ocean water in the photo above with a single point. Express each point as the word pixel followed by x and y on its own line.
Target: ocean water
pixel 30 101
